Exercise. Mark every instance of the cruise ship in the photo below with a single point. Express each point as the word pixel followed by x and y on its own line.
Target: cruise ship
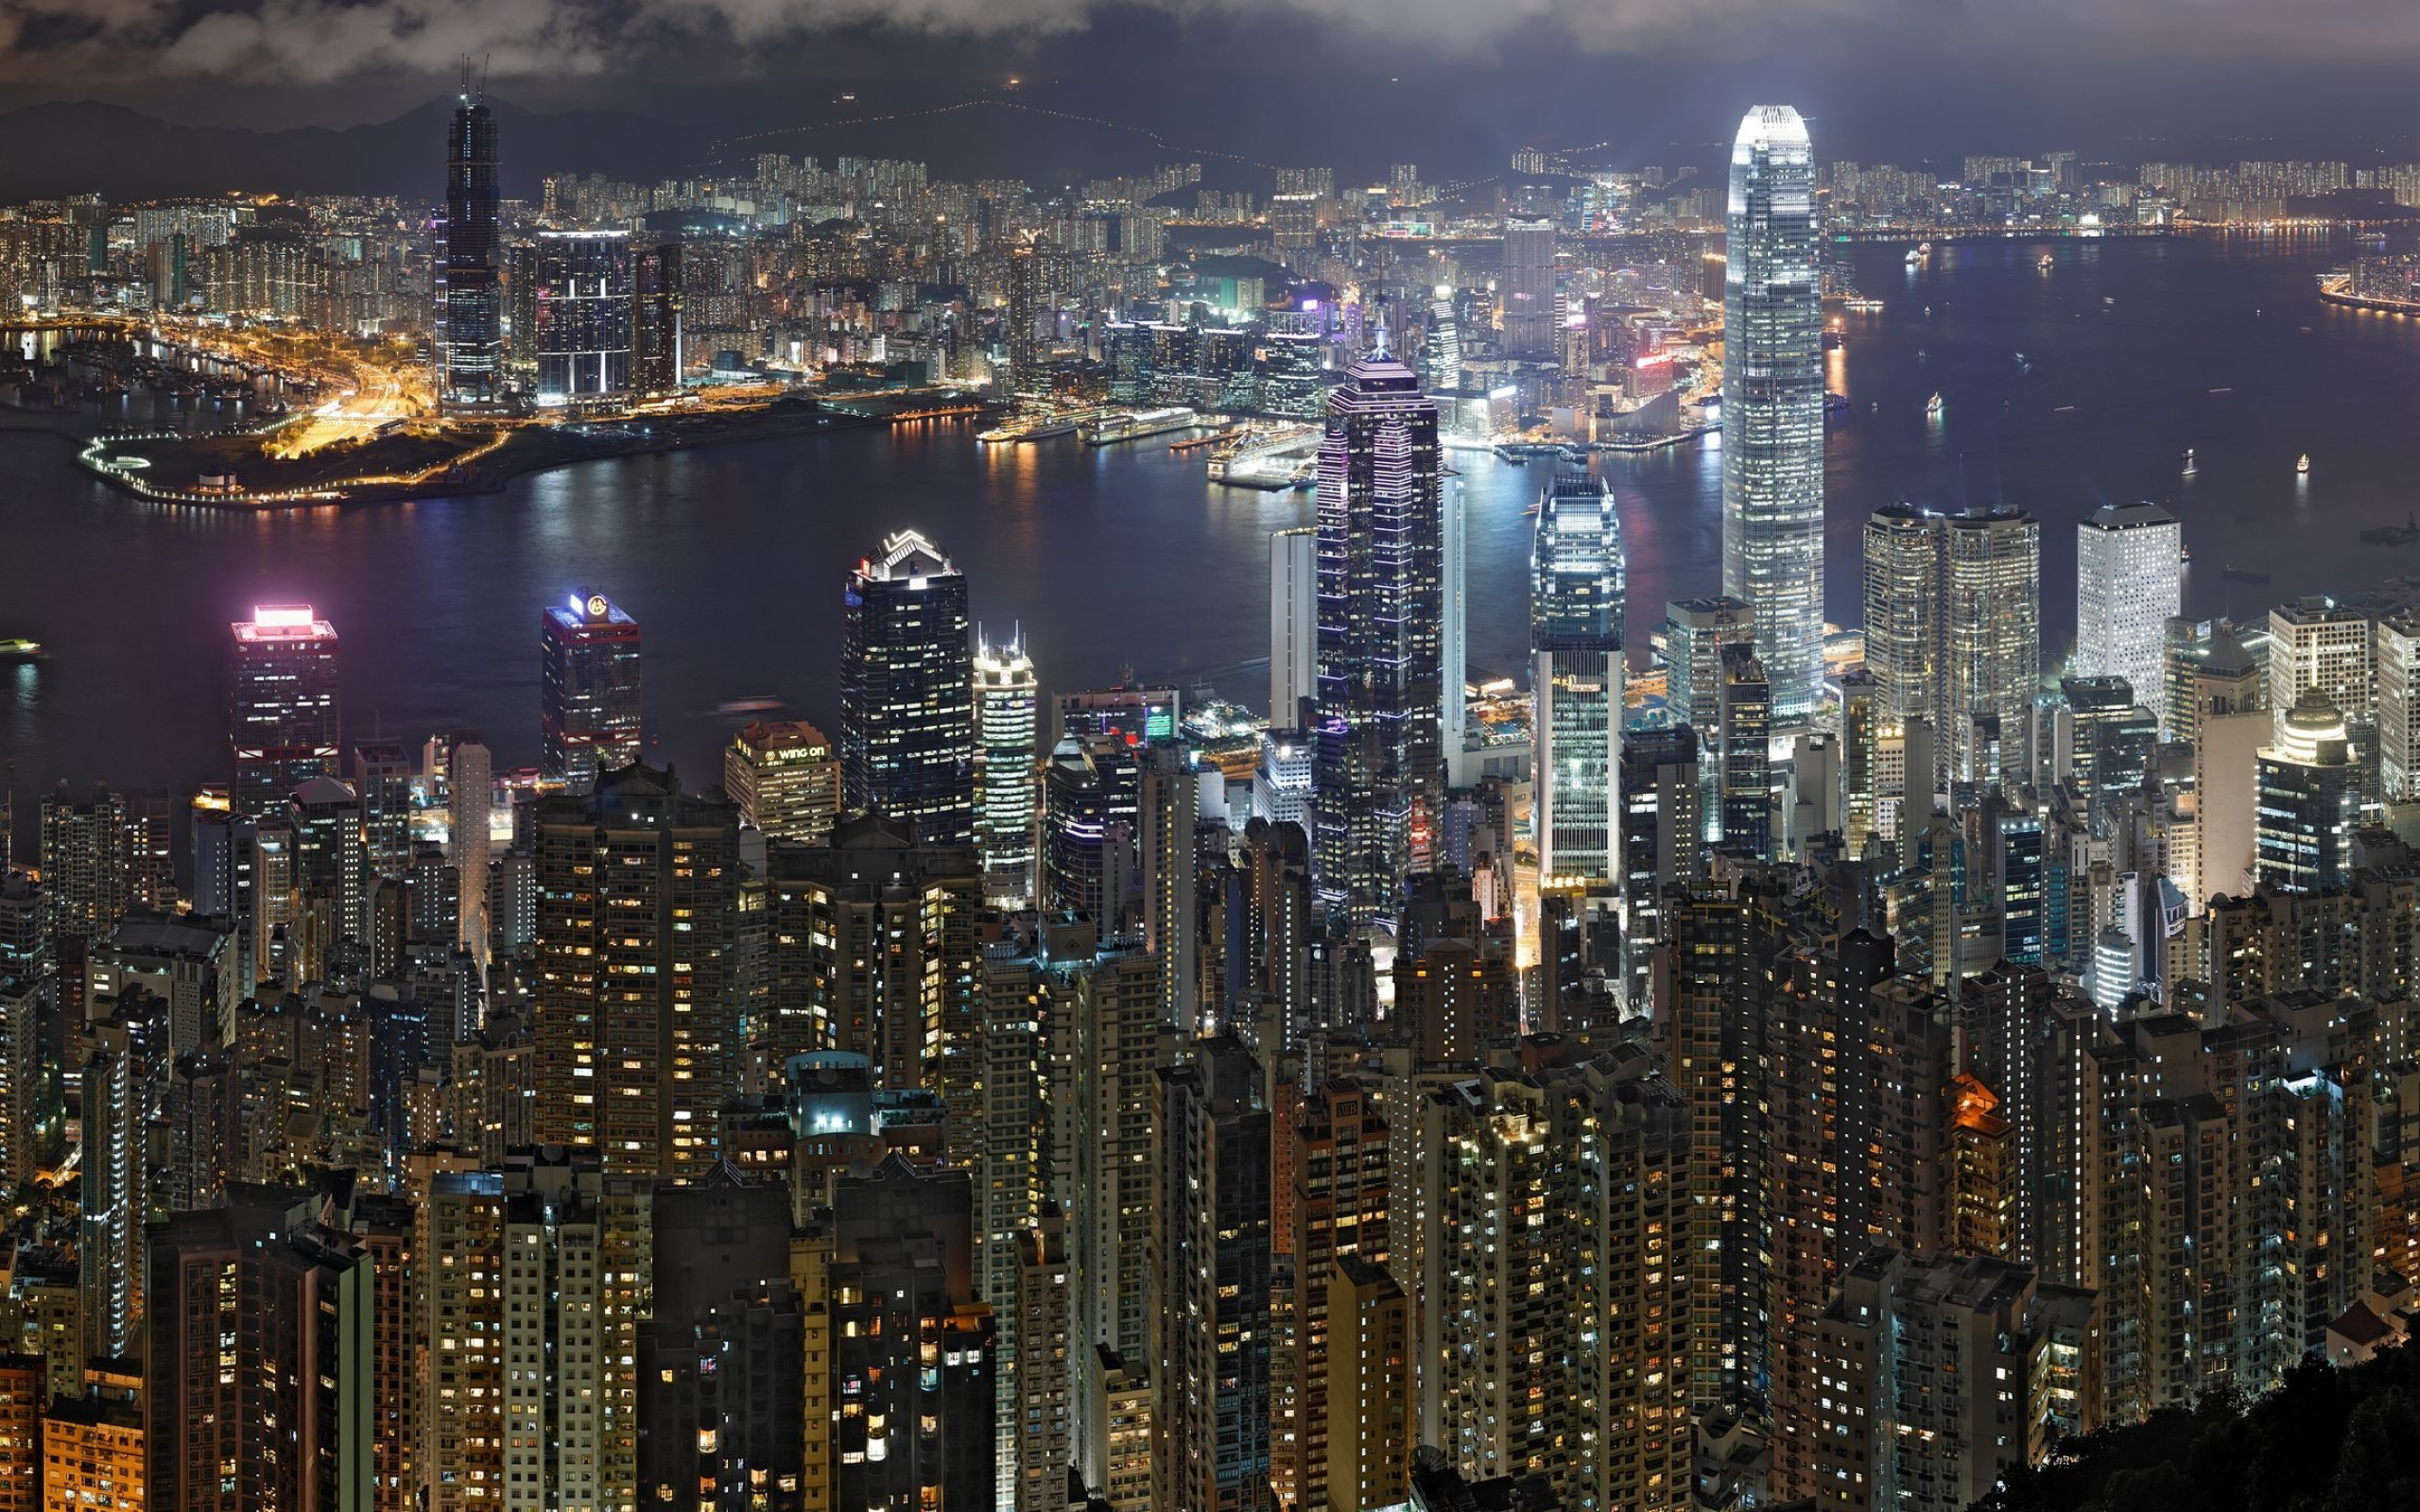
pixel 1111 429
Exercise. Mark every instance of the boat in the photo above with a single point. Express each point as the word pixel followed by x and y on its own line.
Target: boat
pixel 2046 261
pixel 1834 340
pixel 1924 248
pixel 12 652
pixel 1914 257
pixel 1043 430
pixel 2301 468
pixel 2190 468
pixel 2402 534
pixel 1932 405
pixel 2183 554
pixel 1111 429
pixel 1861 303
pixel 2242 574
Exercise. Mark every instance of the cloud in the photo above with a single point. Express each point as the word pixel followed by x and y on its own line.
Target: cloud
pixel 323 42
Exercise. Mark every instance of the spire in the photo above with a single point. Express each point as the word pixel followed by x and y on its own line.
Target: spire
pixel 1378 350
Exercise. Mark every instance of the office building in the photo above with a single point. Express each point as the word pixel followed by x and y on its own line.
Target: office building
pixel 1294 625
pixel 1695 633
pixel 2306 799
pixel 1744 804
pixel 1903 608
pixel 1528 290
pixel 785 777
pixel 1576 607
pixel 1991 640
pixel 283 714
pixel 588 689
pixel 2397 658
pixel 468 297
pixel 2129 584
pixel 1008 777
pixel 583 307
pixel 1773 405
pixel 906 716
pixel 1379 703
pixel 636 1010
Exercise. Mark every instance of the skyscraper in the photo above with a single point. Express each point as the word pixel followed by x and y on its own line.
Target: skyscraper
pixel 1294 625
pixel 1380 692
pixel 1903 611
pixel 906 669
pixel 468 299
pixel 655 318
pixel 584 309
pixel 1773 405
pixel 470 786
pixel 2129 584
pixel 1006 778
pixel 284 715
pixel 1024 299
pixel 1991 635
pixel 2304 799
pixel 1528 289
pixel 1576 635
pixel 785 777
pixel 588 688
pixel 637 1019
pixel 1772 402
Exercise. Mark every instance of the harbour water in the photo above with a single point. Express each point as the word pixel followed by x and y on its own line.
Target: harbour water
pixel 731 556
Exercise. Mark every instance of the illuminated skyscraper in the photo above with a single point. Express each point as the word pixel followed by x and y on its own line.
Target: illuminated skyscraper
pixel 469 302
pixel 1380 695
pixel 655 320
pixel 785 777
pixel 1024 299
pixel 637 1015
pixel 2129 584
pixel 1006 775
pixel 1953 610
pixel 2305 808
pixel 1528 289
pixel 589 692
pixel 1293 624
pixel 906 669
pixel 1773 405
pixel 283 713
pixel 470 785
pixel 1576 634
pixel 583 306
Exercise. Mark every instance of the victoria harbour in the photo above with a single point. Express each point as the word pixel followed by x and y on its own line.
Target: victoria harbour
pixel 2061 389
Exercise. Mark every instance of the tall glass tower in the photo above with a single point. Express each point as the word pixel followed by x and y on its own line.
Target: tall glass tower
pixel 1008 771
pixel 1576 634
pixel 470 304
pixel 906 691
pixel 1773 405
pixel 1379 698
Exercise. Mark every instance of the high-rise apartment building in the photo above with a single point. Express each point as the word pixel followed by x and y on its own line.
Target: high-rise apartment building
pixel 2129 584
pixel 1379 703
pixel 468 297
pixel 1576 604
pixel 1212 1411
pixel 588 689
pixel 1773 405
pixel 656 356
pixel 283 715
pixel 636 1008
pixel 908 741
pixel 786 779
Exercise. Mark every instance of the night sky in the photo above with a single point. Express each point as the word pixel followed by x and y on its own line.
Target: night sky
pixel 1355 84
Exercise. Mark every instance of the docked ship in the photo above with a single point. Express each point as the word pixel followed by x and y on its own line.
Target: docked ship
pixel 1110 429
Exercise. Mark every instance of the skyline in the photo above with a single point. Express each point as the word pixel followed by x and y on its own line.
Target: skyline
pixel 1779 1055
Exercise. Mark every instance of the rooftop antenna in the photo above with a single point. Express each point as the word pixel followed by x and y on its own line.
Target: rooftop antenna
pixel 1378 349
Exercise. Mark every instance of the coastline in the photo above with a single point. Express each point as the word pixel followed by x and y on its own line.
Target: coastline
pixel 524 453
